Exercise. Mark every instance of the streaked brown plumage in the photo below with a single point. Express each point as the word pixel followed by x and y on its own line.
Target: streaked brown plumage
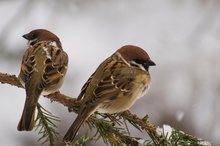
pixel 114 87
pixel 43 68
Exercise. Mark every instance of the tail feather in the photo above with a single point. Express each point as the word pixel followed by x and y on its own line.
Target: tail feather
pixel 27 119
pixel 71 133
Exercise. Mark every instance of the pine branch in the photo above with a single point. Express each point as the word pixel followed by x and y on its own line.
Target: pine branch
pixel 10 79
pixel 105 125
pixel 46 126
pixel 83 140
pixel 115 136
pixel 109 132
pixel 168 136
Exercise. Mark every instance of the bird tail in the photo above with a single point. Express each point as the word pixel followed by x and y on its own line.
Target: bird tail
pixel 71 133
pixel 27 121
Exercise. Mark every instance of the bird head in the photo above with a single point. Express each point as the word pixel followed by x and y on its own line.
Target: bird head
pixel 136 57
pixel 39 35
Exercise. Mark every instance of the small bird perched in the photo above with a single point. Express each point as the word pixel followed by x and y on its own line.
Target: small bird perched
pixel 115 85
pixel 43 69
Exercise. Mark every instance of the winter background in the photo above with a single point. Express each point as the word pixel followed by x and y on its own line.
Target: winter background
pixel 181 36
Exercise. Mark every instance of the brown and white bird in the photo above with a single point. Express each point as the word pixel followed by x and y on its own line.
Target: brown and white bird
pixel 115 85
pixel 43 69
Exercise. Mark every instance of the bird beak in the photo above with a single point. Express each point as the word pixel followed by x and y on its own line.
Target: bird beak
pixel 151 63
pixel 25 36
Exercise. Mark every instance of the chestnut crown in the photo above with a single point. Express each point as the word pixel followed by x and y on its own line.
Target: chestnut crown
pixel 39 35
pixel 136 56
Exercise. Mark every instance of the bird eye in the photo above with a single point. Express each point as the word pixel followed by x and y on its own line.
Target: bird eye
pixel 139 61
pixel 33 36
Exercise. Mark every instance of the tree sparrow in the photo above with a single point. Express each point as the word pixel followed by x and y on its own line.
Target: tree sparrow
pixel 43 69
pixel 115 85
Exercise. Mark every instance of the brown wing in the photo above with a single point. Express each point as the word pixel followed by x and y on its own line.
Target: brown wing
pixel 55 66
pixel 83 90
pixel 46 59
pixel 117 82
pixel 28 65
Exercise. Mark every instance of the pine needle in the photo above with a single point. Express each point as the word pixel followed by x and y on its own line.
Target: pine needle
pixel 45 124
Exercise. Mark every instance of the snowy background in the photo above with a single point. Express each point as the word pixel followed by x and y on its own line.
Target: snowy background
pixel 181 36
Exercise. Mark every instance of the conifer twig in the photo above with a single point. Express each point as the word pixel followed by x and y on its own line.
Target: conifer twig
pixel 105 124
pixel 45 124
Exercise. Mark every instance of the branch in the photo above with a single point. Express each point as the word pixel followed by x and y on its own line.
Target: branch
pixel 105 124
pixel 67 101
pixel 45 124
pixel 74 106
pixel 10 79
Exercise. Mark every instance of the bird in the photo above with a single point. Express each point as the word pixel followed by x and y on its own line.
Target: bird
pixel 114 87
pixel 43 68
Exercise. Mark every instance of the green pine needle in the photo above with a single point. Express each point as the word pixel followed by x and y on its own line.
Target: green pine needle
pixel 111 134
pixel 105 125
pixel 45 124
pixel 179 138
pixel 83 141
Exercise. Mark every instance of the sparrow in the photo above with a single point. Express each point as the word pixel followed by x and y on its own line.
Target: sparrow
pixel 115 85
pixel 43 68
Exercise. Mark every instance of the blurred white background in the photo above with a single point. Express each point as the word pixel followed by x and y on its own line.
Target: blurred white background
pixel 181 36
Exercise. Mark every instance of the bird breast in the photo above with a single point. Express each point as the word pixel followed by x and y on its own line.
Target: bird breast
pixel 124 102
